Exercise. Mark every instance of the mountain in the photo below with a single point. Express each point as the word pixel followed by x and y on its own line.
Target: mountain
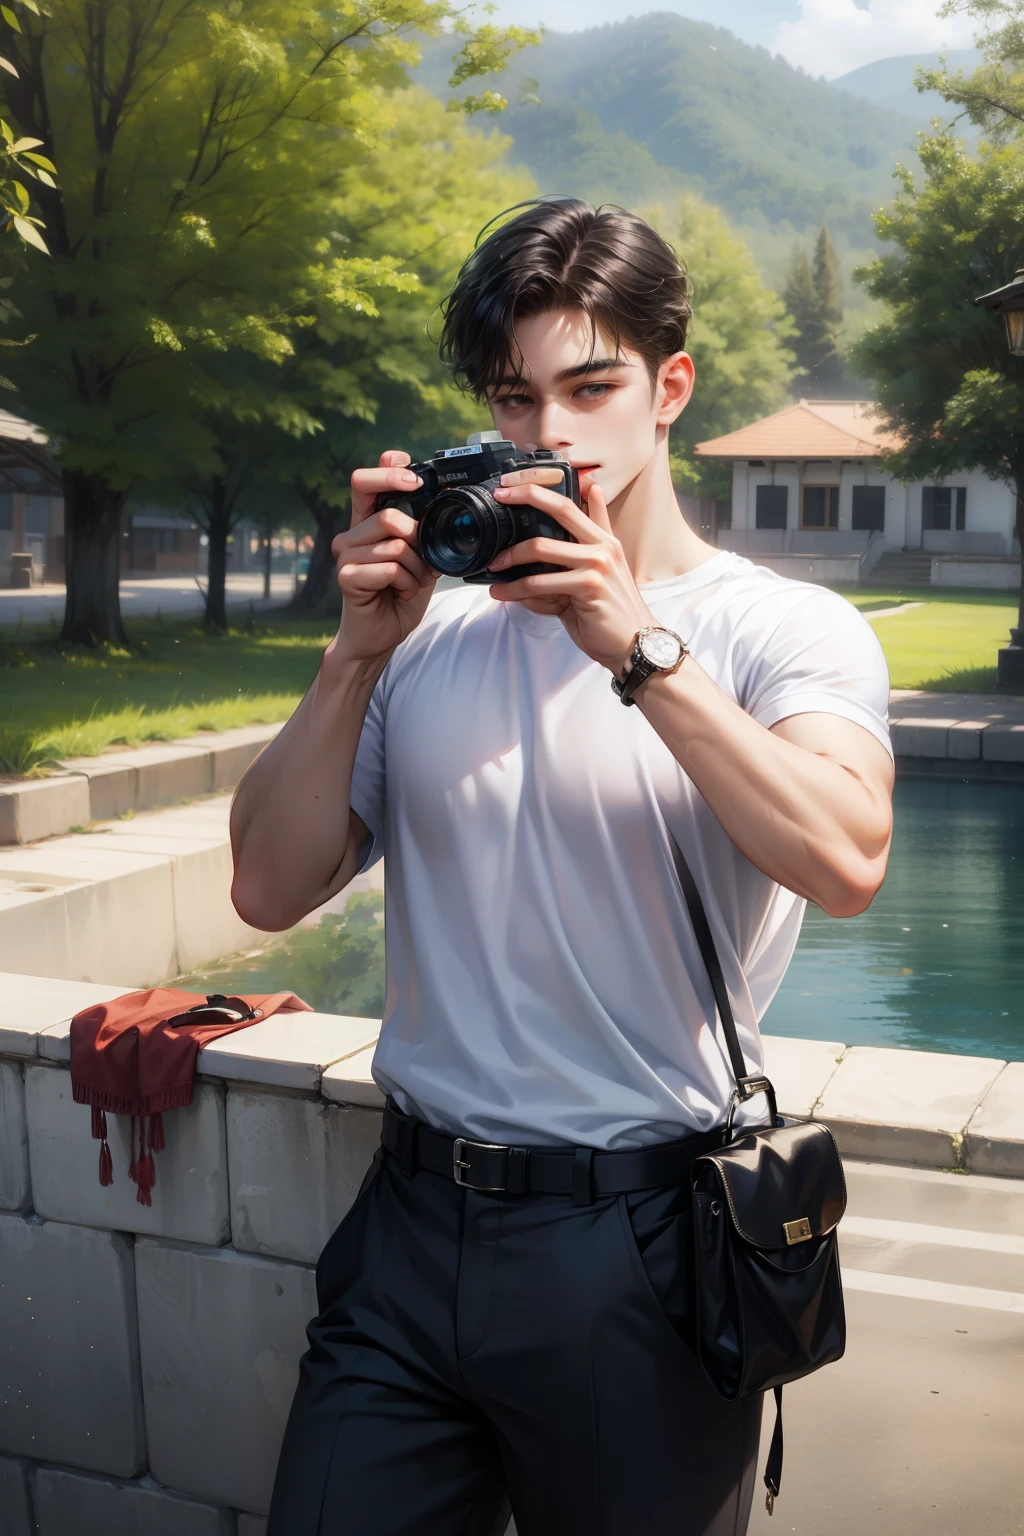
pixel 889 83
pixel 638 109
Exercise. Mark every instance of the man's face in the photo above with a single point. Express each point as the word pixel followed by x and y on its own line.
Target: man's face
pixel 596 407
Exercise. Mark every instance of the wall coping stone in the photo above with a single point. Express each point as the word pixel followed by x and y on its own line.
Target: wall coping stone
pixel 288 1050
pixel 350 1081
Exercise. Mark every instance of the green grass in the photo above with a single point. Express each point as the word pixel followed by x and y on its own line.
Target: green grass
pixel 70 702
pixel 949 644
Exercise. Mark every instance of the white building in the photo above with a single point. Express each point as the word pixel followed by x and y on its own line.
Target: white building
pixel 809 499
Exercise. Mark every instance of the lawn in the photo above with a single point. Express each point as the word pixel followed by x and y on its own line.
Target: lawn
pixel 175 681
pixel 949 644
pixel 178 680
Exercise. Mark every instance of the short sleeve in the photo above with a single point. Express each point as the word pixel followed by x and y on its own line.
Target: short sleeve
pixel 820 657
pixel 366 796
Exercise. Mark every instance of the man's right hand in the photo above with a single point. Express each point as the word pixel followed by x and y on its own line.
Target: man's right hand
pixel 385 585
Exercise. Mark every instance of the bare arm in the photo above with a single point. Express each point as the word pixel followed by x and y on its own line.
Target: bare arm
pixel 294 838
pixel 808 802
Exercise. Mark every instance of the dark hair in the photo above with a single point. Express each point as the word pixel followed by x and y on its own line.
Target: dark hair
pixel 562 253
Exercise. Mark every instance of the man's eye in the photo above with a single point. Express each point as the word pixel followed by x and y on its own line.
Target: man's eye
pixel 513 400
pixel 594 391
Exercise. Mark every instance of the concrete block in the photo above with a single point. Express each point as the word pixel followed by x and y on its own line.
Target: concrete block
pixel 221 1335
pixel 33 925
pixel 1004 743
pixel 995 1135
pixel 965 740
pixel 920 738
pixel 190 1198
pixel 15 1508
pixel 251 1525
pixel 31 1004
pixel 350 1081
pixel 118 908
pixel 68 1502
pixel 70 1388
pixel 206 924
pixel 905 1106
pixel 168 773
pixel 36 808
pixel 296 1167
pixel 113 783
pixel 289 1050
pixel 15 1192
pixel 799 1070
pixel 231 752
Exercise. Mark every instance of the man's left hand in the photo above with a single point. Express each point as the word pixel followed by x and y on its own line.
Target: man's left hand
pixel 596 597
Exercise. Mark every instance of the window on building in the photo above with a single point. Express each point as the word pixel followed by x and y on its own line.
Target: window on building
pixel 868 509
pixel 943 508
pixel 820 506
pixel 771 505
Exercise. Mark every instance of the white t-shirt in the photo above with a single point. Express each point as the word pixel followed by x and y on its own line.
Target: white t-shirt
pixel 543 981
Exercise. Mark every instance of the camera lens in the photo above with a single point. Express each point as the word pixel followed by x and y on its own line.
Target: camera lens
pixel 462 531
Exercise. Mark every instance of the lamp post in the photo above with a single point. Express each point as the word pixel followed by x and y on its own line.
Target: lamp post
pixel 1008 301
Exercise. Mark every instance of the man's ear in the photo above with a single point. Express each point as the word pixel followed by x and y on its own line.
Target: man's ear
pixel 674 387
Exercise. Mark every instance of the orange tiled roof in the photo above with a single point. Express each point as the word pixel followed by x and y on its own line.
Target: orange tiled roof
pixel 810 429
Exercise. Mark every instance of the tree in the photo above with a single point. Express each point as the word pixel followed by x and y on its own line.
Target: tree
pixel 370 376
pixel 943 375
pixel 197 144
pixel 813 296
pixel 739 338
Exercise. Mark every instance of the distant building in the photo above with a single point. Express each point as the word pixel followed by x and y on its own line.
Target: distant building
pixel 809 499
pixel 155 541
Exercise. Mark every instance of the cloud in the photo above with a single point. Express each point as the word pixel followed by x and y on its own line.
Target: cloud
pixel 832 37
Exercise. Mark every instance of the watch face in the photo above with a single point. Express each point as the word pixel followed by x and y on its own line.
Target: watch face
pixel 660 647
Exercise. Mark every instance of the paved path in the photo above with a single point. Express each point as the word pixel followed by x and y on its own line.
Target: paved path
pixel 168 594
pixel 918 1430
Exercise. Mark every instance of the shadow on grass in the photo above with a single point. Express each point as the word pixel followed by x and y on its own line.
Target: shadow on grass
pixel 963 680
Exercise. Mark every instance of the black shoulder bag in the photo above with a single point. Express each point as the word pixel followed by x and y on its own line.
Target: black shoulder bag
pixel 769 1300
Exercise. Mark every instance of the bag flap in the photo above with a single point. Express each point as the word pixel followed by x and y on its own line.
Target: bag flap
pixel 781 1185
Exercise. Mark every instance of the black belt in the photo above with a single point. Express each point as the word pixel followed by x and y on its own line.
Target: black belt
pixel 582 1172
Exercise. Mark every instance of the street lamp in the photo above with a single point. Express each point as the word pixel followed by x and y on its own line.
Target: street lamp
pixel 1008 301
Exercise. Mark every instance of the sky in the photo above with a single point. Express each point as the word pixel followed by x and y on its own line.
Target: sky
pixel 825 37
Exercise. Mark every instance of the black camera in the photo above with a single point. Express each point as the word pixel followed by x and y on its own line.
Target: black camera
pixel 462 527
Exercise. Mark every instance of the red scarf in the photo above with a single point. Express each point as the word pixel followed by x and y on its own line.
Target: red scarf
pixel 136 1055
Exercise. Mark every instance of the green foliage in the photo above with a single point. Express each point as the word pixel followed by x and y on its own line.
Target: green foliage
pixel 813 297
pixel 202 149
pixel 336 967
pixel 739 337
pixel 992 96
pixel 642 109
pixel 22 159
pixel 940 366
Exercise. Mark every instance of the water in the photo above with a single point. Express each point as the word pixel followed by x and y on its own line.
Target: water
pixel 935 964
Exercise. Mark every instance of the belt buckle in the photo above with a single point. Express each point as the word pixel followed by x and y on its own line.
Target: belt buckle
pixel 458 1163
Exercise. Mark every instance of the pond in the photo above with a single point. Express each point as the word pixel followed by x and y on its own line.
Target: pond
pixel 936 963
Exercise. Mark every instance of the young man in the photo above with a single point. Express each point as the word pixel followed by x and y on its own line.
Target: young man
pixel 499 1322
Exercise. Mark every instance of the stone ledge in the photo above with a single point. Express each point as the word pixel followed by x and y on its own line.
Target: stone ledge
pixel 15 1190
pixel 100 788
pixel 288 1050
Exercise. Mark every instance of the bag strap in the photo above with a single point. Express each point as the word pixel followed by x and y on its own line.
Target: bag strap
pixel 709 954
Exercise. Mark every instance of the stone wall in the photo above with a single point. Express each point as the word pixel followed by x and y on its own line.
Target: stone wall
pixel 148 1355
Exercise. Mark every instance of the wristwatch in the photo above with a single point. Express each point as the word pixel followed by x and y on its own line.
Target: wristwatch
pixel 654 650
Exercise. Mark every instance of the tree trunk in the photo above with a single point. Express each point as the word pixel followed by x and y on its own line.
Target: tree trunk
pixel 319 592
pixel 268 553
pixel 218 527
pixel 92 553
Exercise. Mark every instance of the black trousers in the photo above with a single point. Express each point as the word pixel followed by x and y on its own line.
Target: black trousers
pixel 477 1352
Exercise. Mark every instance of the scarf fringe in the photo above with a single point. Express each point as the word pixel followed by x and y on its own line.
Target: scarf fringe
pixel 178 1096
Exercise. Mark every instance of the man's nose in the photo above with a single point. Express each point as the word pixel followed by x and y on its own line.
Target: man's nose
pixel 553 426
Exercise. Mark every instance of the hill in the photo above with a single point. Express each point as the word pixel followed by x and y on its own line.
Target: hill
pixel 890 83
pixel 636 110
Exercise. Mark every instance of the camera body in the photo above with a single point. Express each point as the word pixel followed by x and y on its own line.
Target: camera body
pixel 461 526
